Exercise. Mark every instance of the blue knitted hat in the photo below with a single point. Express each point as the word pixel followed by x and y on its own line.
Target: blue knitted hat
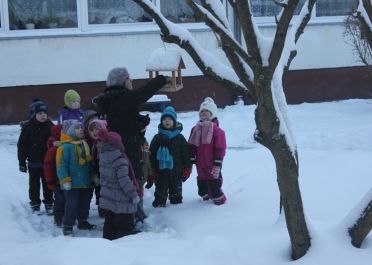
pixel 69 127
pixel 170 112
pixel 36 106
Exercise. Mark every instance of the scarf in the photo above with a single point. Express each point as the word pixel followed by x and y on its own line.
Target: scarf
pixel 163 154
pixel 203 131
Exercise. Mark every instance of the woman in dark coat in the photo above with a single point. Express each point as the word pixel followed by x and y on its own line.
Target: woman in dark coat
pixel 120 104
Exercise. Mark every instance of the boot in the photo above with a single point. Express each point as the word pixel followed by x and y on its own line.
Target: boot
pixel 35 209
pixel 67 231
pixel 219 201
pixel 49 209
pixel 58 220
pixel 85 225
pixel 158 204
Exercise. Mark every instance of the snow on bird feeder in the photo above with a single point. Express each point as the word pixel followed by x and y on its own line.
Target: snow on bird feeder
pixel 167 60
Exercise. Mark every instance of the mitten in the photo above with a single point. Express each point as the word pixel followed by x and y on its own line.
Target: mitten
pixel 23 168
pixel 216 170
pixel 66 186
pixel 186 174
pixel 51 186
pixel 96 181
pixel 144 120
pixel 151 179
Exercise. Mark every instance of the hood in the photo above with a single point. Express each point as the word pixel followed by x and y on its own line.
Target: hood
pixel 108 152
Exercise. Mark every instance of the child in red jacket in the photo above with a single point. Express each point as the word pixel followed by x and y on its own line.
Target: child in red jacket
pixel 50 173
pixel 207 147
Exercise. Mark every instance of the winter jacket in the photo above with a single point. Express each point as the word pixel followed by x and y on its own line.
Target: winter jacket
pixel 121 108
pixel 178 148
pixel 74 168
pixel 67 113
pixel 32 143
pixel 207 155
pixel 50 171
pixel 117 189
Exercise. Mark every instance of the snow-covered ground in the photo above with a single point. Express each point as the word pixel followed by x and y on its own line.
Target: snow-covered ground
pixel 335 153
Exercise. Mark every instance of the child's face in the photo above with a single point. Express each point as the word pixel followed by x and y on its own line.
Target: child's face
pixel 79 131
pixel 205 115
pixel 93 130
pixel 41 116
pixel 75 103
pixel 167 122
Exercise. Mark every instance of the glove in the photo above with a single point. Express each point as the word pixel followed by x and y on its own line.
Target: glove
pixel 151 179
pixel 23 168
pixel 136 200
pixel 144 120
pixel 66 186
pixel 216 170
pixel 186 174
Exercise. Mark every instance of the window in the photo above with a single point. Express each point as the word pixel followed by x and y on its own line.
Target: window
pixel 115 11
pixel 267 8
pixel 335 7
pixel 178 11
pixel 42 14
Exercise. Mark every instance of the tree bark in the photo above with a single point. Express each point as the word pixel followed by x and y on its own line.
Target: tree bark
pixel 268 134
pixel 359 231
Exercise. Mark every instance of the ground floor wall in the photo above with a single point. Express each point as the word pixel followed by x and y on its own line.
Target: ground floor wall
pixel 312 85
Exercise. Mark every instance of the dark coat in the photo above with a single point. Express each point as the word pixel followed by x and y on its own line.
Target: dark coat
pixel 178 148
pixel 121 109
pixel 32 143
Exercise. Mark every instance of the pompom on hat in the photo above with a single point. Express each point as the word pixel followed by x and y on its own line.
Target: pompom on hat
pixel 70 95
pixel 208 104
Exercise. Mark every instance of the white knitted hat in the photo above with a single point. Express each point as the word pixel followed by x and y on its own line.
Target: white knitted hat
pixel 208 104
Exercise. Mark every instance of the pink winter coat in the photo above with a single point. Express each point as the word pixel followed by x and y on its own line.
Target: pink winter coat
pixel 209 150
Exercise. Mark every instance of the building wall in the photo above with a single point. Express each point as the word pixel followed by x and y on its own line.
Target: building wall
pixel 88 58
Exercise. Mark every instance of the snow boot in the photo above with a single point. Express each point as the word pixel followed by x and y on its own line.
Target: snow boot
pixel 67 231
pixel 49 209
pixel 58 220
pixel 158 204
pixel 219 201
pixel 35 209
pixel 85 225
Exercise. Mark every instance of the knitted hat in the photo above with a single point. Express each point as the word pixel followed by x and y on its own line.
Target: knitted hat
pixel 88 114
pixel 208 104
pixel 36 106
pixel 110 137
pixel 99 123
pixel 117 76
pixel 69 127
pixel 70 95
pixel 170 112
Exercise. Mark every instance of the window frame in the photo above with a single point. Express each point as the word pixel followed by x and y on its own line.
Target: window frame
pixel 84 28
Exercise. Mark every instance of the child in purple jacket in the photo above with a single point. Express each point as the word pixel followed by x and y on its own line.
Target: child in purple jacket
pixel 71 110
pixel 207 146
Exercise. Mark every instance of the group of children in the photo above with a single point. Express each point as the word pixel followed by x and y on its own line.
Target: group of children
pixel 79 154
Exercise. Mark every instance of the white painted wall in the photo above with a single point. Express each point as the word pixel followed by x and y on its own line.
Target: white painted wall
pixel 53 60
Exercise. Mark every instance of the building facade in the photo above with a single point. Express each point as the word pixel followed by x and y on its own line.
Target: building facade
pixel 49 46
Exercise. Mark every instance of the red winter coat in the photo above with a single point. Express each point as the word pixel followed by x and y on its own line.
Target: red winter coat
pixel 208 155
pixel 50 171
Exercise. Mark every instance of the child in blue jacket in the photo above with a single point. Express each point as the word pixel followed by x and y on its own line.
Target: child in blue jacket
pixel 75 174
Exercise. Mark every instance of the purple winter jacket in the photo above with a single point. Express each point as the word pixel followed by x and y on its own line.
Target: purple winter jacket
pixel 67 113
pixel 207 155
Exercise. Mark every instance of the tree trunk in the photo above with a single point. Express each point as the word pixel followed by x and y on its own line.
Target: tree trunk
pixel 268 134
pixel 362 227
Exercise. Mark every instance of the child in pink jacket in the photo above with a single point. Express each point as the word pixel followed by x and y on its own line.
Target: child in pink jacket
pixel 207 146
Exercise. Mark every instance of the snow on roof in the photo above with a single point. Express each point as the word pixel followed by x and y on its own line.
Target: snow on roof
pixel 165 59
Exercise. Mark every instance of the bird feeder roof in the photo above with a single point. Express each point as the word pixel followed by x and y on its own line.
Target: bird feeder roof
pixel 165 60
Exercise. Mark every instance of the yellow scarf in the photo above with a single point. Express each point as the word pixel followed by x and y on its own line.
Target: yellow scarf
pixel 81 150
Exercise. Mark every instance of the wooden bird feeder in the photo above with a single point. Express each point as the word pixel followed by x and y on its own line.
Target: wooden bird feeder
pixel 167 60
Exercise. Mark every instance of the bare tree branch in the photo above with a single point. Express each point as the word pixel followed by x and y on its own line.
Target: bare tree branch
pixel 227 38
pixel 243 10
pixel 366 29
pixel 166 35
pixel 281 34
pixel 301 28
